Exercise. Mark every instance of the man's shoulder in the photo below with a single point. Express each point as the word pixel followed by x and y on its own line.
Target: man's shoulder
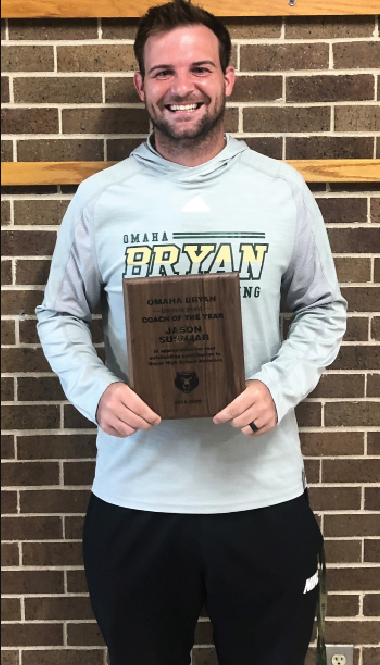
pixel 272 168
pixel 93 187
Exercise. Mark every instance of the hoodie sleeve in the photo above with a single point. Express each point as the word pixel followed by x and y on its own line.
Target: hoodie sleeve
pixel 72 294
pixel 311 287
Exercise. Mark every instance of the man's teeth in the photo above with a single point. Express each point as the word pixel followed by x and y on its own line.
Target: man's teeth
pixel 182 107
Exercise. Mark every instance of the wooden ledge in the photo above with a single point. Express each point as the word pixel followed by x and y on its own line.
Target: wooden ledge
pixel 136 8
pixel 72 173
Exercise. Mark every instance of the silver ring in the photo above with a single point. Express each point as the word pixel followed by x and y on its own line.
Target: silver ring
pixel 253 427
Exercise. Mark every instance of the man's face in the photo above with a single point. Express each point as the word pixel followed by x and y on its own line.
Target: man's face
pixel 184 88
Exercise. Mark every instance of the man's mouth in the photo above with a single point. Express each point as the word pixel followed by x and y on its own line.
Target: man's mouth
pixel 183 108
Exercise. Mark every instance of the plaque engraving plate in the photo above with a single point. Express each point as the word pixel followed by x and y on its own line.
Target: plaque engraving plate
pixel 185 342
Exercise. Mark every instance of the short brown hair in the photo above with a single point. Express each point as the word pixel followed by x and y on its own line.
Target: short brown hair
pixel 162 18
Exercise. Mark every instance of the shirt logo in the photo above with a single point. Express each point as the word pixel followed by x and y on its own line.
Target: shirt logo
pixel 196 204
pixel 311 582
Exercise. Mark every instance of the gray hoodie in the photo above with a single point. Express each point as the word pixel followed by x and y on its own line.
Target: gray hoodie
pixel 146 216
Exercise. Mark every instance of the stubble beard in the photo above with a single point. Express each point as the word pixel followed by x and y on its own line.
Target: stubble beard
pixel 192 139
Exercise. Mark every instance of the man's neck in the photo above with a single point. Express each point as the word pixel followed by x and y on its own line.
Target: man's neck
pixel 189 152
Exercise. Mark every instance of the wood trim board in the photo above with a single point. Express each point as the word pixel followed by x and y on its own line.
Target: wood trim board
pixel 136 8
pixel 72 173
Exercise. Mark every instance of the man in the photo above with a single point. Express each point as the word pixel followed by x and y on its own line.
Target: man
pixel 193 512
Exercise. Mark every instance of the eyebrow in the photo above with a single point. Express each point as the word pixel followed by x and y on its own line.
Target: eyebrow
pixel 193 64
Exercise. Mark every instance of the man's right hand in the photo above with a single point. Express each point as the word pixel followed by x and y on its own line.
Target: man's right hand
pixel 121 412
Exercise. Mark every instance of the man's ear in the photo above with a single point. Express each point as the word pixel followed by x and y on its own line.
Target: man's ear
pixel 229 79
pixel 138 82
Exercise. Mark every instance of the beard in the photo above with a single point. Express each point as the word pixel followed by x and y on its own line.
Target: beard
pixel 183 136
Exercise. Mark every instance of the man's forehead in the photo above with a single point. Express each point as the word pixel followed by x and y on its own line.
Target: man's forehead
pixel 194 42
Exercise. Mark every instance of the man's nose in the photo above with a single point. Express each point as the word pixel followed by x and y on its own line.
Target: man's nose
pixel 183 84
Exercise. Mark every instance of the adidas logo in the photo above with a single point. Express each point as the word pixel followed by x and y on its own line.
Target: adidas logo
pixel 196 204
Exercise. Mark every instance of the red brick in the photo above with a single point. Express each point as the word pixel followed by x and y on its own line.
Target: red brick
pixel 257 89
pixel 356 118
pixel 343 551
pixel 328 27
pixel 9 554
pixel 20 302
pixel 24 360
pixel 63 657
pixel 352 632
pixel 375 327
pixel 52 28
pixel 5 212
pixel 120 91
pixel 20 582
pixel 28 331
pixel 335 498
pixel 354 240
pixel 119 149
pixel 352 414
pixel 352 525
pixel 372 498
pixel 350 471
pixel 273 57
pixel 8 502
pixel 340 606
pixel 372 550
pixel 7 151
pixel 362 299
pixel 371 656
pixel 329 147
pixel 105 121
pixel 72 418
pixel 308 414
pixel 4 89
pixel 373 385
pixel 16 242
pixel 354 579
pixel 357 357
pixel 47 388
pixel 352 269
pixel 10 609
pixel 204 656
pixel 41 416
pixel 28 635
pixel 27 59
pixel 6 273
pixel 356 54
pixel 56 446
pixel 96 58
pixel 58 501
pixel 73 607
pixel 74 526
pixel 371 605
pixel 21 527
pixel 270 146
pixel 40 211
pixel 7 447
pixel 7 388
pixel 29 121
pixel 266 119
pixel 119 28
pixel 78 473
pixel 373 443
pixel 84 634
pixel 10 657
pixel 332 443
pixel 375 210
pixel 327 88
pixel 8 332
pixel 76 581
pixel 29 473
pixel 339 385
pixel 343 211
pixel 312 470
pixel 34 272
pixel 60 150
pixel 52 554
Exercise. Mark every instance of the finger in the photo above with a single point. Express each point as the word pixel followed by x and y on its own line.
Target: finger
pixel 247 430
pixel 138 406
pixel 248 416
pixel 235 408
pixel 112 431
pixel 125 415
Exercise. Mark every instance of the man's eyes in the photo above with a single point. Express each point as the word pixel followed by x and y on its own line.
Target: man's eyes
pixel 164 73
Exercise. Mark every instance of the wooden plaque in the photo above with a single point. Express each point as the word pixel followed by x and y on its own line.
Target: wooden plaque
pixel 185 342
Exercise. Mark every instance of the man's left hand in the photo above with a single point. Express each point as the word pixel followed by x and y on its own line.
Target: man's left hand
pixel 254 405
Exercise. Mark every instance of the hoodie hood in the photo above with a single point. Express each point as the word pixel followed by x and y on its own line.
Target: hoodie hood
pixel 147 156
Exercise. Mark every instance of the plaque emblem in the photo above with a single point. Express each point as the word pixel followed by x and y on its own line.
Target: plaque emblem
pixel 186 381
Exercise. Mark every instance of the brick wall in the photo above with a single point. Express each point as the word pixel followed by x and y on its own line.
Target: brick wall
pixel 306 88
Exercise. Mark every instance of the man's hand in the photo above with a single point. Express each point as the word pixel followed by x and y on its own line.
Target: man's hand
pixel 121 412
pixel 254 405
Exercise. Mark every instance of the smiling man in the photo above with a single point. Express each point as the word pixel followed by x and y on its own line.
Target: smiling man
pixel 198 511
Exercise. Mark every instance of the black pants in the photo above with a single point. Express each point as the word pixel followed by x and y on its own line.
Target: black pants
pixel 149 575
